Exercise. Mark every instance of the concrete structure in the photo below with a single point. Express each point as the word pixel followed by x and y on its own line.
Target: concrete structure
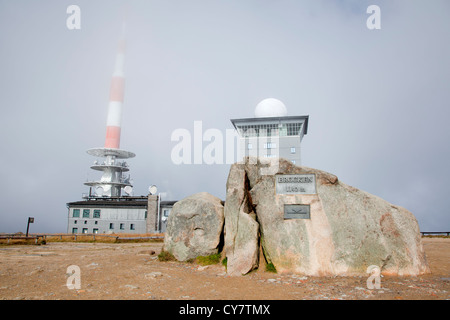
pixel 271 133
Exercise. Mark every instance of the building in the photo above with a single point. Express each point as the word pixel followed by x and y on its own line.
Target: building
pixel 271 133
pixel 128 214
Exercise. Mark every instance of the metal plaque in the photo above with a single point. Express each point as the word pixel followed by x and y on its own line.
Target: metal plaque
pixel 297 211
pixel 295 183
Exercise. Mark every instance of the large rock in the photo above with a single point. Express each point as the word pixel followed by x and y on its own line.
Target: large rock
pixel 241 228
pixel 348 229
pixel 194 227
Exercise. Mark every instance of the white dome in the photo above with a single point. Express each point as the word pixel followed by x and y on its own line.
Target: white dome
pixel 270 108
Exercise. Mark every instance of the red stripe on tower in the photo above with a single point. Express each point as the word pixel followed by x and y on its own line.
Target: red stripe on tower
pixel 116 97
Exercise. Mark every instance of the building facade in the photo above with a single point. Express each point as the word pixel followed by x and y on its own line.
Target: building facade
pixel 269 137
pixel 98 215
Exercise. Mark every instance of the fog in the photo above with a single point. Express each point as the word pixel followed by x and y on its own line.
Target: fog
pixel 377 100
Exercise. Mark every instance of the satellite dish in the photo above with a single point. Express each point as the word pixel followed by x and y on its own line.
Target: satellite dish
pixel 128 190
pixel 99 191
pixel 152 189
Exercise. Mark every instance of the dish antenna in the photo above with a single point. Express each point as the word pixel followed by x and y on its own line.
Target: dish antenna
pixel 99 191
pixel 128 190
pixel 152 189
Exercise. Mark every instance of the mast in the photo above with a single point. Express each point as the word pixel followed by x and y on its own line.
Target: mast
pixel 113 178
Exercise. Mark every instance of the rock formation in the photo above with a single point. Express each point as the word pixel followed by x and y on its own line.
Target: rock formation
pixel 241 228
pixel 194 227
pixel 348 229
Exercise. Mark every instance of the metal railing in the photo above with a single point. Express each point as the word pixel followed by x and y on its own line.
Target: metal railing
pixel 447 233
pixel 75 236
pixel 14 236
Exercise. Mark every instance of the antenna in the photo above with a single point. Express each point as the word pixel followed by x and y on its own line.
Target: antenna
pixel 152 189
pixel 128 190
pixel 99 191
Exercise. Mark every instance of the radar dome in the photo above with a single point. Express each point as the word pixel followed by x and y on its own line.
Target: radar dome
pixel 270 108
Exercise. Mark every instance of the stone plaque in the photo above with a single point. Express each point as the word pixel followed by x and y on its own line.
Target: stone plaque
pixel 295 183
pixel 297 211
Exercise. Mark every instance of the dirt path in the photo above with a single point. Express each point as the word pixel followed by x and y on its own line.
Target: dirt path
pixel 130 271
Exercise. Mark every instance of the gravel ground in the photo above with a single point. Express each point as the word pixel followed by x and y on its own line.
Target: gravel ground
pixel 132 271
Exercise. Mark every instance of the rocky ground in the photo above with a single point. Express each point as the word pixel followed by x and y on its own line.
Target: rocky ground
pixel 132 271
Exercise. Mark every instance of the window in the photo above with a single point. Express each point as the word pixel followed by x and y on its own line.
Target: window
pixel 96 213
pixel 86 213
pixel 292 149
pixel 85 230
pixel 111 226
pixel 95 230
pixel 74 230
pixel 121 226
pixel 85 221
pixel 95 222
pixel 145 214
pixel 166 213
pixel 132 226
pixel 293 161
pixel 75 222
pixel 76 213
pixel 270 145
pixel 249 146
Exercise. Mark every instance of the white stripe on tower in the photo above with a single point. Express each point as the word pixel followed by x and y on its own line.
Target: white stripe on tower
pixel 116 95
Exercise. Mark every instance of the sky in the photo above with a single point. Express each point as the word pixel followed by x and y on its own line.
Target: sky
pixel 377 99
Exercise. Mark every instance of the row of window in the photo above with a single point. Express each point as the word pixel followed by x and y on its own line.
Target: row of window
pixel 267 130
pixel 86 213
pixel 111 227
pixel 269 145
pixel 121 226
pixel 84 230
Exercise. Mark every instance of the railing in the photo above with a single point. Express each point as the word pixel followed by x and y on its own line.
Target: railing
pixel 447 233
pixel 76 236
pixel 10 237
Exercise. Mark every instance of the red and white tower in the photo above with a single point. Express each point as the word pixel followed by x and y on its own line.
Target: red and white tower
pixel 113 178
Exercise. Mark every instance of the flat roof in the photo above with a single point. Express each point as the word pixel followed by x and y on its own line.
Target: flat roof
pixel 116 202
pixel 272 119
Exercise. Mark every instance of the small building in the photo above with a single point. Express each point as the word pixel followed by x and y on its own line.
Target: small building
pixel 118 215
pixel 271 133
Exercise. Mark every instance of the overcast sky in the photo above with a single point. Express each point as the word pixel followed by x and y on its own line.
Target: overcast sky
pixel 378 100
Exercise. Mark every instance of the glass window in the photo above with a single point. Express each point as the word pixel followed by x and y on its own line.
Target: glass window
pixel 96 213
pixel 75 222
pixel 293 161
pixel 95 230
pixel 166 212
pixel 76 213
pixel 111 226
pixel 74 230
pixel 292 149
pixel 121 226
pixel 132 226
pixel 270 145
pixel 85 230
pixel 249 146
pixel 86 213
